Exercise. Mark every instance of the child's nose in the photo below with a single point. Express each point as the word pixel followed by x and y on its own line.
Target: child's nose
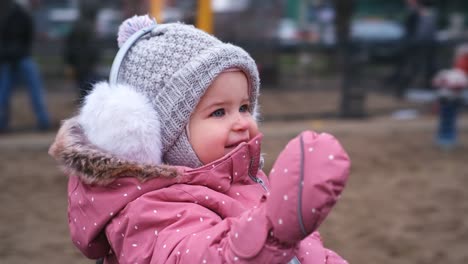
pixel 241 122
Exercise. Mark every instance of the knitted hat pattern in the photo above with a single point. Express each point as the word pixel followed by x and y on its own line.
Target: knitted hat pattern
pixel 172 68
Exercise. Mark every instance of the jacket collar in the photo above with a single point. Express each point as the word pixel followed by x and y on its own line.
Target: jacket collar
pixel 239 166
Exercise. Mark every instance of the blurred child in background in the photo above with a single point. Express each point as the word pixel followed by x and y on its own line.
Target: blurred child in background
pixel 450 83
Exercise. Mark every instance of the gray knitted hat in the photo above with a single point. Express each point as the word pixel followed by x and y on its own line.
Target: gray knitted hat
pixel 169 69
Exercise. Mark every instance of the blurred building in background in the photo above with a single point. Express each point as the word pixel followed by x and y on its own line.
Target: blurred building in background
pixel 287 20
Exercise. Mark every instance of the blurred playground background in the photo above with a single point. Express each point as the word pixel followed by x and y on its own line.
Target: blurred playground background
pixel 325 65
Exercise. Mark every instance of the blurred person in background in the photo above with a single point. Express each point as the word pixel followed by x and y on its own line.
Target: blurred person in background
pixel 82 50
pixel 418 47
pixel 16 63
pixel 450 84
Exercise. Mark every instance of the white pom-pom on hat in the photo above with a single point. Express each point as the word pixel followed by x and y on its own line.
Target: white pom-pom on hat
pixel 132 25
pixel 122 121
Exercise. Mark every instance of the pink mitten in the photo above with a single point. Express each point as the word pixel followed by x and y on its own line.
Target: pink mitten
pixel 306 181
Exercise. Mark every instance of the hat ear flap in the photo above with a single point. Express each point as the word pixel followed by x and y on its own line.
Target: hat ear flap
pixel 123 122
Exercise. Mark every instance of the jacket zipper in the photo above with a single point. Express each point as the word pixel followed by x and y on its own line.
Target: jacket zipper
pixel 260 181
pixel 255 178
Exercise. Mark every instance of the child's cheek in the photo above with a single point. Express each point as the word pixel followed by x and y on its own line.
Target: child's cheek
pixel 253 131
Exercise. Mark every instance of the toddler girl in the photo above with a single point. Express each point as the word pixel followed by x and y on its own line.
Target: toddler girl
pixel 164 160
pixel 450 85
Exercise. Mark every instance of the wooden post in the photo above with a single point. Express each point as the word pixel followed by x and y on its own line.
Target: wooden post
pixel 156 10
pixel 204 19
pixel 353 95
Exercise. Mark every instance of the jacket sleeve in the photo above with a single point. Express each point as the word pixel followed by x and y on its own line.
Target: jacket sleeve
pixel 153 229
pixel 306 181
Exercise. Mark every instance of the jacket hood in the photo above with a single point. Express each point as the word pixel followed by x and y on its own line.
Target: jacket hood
pixel 93 165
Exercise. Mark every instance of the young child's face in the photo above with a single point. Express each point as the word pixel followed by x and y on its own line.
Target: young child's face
pixel 222 119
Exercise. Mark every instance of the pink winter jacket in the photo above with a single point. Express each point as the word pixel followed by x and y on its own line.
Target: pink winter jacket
pixel 133 213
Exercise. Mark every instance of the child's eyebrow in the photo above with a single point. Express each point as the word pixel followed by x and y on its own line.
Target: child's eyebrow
pixel 220 103
pixel 245 100
pixel 214 104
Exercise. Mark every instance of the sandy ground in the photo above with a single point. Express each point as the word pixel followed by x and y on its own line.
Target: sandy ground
pixel 405 201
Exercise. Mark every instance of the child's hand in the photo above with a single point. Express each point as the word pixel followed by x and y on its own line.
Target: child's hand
pixel 306 181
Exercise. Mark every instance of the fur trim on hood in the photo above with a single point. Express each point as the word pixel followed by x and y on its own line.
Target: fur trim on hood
pixel 79 157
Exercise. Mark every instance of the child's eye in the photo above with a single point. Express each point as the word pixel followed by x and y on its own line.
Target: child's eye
pixel 244 108
pixel 218 112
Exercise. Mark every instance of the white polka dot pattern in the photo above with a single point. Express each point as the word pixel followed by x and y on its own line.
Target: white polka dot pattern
pixel 201 209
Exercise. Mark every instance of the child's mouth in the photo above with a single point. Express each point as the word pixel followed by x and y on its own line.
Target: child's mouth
pixel 234 145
